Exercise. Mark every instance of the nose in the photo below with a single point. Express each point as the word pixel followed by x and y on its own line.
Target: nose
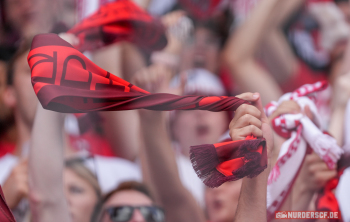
pixel 200 113
pixel 68 198
pixel 137 216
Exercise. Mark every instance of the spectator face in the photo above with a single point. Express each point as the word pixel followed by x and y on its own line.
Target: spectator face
pixel 221 202
pixel 21 95
pixel 81 196
pixel 30 17
pixel 202 51
pixel 198 127
pixel 127 198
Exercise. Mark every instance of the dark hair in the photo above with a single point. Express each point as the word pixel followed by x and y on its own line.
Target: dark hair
pixel 2 15
pixel 24 47
pixel 129 185
pixel 7 52
pixel 219 24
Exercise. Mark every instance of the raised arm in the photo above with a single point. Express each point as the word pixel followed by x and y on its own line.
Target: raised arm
pixel 46 165
pixel 158 156
pixel 341 95
pixel 252 200
pixel 241 48
pixel 179 204
pixel 277 54
pixel 124 60
pixel 121 127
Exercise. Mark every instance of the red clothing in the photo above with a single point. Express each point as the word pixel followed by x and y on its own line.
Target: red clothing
pixel 304 75
pixel 93 143
pixel 6 147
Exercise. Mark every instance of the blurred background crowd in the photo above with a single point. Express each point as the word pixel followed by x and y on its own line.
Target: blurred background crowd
pixel 108 162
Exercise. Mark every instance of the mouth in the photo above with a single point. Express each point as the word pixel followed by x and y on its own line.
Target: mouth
pixel 198 64
pixel 199 61
pixel 202 130
pixel 217 205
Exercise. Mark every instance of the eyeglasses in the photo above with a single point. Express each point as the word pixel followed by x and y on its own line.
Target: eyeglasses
pixel 124 213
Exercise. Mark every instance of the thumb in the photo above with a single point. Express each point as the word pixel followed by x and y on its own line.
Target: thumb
pixel 308 112
pixel 258 104
pixel 251 97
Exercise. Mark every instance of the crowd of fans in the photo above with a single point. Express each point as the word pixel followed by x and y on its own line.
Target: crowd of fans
pixel 134 166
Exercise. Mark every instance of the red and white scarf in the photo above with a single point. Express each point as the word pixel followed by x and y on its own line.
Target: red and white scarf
pixel 300 131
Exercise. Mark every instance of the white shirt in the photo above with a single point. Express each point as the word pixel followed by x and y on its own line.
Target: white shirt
pixel 190 179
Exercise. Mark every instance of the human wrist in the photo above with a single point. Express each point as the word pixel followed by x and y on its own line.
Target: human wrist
pixel 339 110
pixel 302 195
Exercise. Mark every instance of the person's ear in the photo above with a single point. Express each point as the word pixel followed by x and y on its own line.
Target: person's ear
pixel 9 97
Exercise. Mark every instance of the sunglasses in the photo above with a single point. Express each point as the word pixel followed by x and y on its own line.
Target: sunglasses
pixel 125 213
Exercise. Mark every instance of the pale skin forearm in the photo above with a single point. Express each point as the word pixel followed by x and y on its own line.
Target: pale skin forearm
pixel 336 126
pixel 160 160
pixel 268 14
pixel 253 78
pixel 285 10
pixel 241 48
pixel 278 56
pixel 132 60
pixel 243 44
pixel 46 164
pixel 122 131
pixel 252 200
pixel 120 127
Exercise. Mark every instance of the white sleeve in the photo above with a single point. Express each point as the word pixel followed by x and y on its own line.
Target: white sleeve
pixel 7 163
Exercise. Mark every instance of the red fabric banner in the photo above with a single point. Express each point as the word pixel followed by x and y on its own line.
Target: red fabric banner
pixel 121 20
pixel 66 81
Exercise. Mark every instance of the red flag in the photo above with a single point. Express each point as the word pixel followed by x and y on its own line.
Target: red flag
pixel 121 20
pixel 66 81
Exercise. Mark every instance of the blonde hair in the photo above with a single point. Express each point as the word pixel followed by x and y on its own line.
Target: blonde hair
pixel 76 165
